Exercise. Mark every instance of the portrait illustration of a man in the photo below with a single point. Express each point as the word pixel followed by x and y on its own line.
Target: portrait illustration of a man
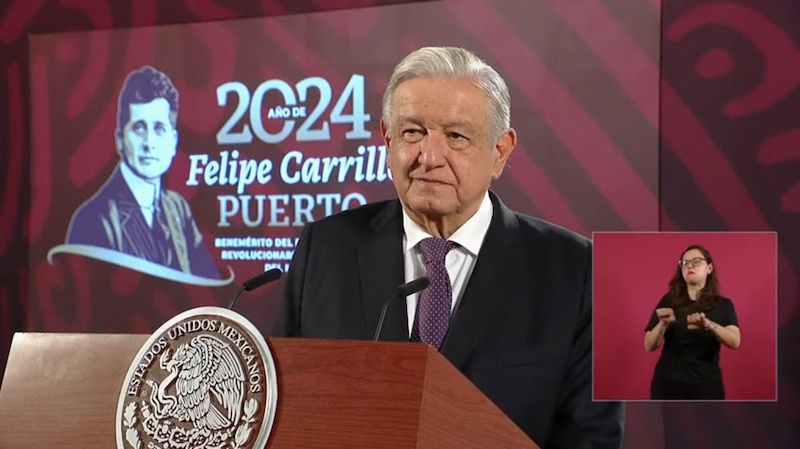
pixel 132 212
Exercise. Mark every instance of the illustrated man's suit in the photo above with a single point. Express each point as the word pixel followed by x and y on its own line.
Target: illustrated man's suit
pixel 113 219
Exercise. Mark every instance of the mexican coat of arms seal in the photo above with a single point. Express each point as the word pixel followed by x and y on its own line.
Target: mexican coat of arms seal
pixel 205 379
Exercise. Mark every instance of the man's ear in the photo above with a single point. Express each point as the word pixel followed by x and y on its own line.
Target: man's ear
pixel 387 140
pixel 385 133
pixel 503 147
pixel 118 141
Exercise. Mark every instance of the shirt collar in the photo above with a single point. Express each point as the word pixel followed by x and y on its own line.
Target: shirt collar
pixel 144 191
pixel 470 235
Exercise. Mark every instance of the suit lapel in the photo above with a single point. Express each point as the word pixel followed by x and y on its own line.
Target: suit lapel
pixel 479 307
pixel 136 235
pixel 380 263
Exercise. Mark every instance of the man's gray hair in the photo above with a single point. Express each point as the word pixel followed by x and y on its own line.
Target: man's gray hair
pixel 453 62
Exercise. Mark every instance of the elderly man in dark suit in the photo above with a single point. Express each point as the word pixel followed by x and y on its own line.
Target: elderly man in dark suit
pixel 510 297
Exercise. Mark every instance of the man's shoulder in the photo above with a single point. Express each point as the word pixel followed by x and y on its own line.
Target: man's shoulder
pixel 555 234
pixel 97 204
pixel 87 219
pixel 357 220
pixel 112 189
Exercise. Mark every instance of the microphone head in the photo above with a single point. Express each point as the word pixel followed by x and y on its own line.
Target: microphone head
pixel 414 286
pixel 263 278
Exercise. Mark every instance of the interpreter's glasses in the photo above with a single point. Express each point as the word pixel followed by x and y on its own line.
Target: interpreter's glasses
pixel 693 262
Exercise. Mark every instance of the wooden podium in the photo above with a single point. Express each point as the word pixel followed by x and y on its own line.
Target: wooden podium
pixel 61 390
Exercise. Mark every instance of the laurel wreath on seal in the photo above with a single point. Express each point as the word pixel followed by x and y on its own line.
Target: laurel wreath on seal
pixel 167 435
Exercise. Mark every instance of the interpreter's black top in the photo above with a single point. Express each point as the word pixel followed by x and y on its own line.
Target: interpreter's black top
pixel 691 356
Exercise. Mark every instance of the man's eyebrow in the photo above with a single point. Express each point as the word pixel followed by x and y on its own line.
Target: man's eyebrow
pixel 409 119
pixel 458 124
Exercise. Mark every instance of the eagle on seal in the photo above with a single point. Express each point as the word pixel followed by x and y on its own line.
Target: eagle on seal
pixel 209 384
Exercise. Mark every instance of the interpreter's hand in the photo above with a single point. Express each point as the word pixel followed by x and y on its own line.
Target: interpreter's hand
pixel 697 321
pixel 666 315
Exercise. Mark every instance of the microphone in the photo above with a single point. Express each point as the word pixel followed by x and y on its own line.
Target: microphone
pixel 402 291
pixel 253 283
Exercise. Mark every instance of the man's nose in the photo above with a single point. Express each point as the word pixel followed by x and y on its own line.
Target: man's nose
pixel 432 148
pixel 146 143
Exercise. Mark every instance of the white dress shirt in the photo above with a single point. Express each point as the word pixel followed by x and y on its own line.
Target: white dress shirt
pixel 145 192
pixel 459 261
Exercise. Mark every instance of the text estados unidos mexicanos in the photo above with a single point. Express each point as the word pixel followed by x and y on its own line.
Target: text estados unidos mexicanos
pixel 249 356
pixel 368 166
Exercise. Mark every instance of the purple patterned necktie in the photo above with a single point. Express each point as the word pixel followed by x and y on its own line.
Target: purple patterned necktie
pixel 433 307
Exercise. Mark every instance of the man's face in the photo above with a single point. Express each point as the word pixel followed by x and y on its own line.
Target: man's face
pixel 149 141
pixel 441 153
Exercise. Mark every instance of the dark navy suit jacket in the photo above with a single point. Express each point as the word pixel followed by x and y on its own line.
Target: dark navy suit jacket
pixel 522 330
